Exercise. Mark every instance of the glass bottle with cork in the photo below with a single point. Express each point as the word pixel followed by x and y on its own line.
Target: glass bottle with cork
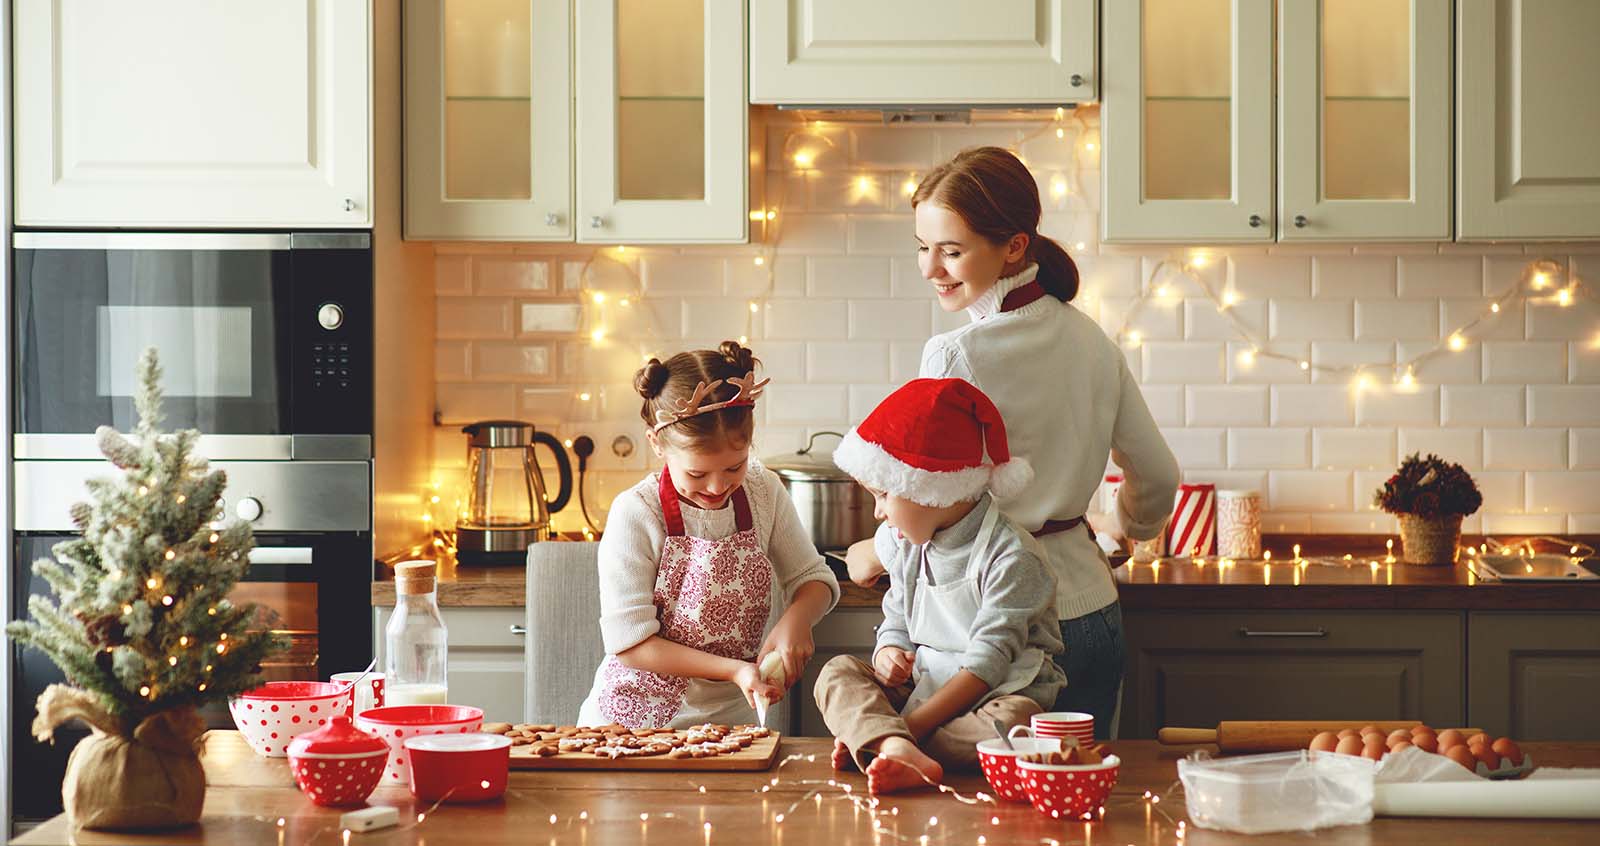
pixel 414 640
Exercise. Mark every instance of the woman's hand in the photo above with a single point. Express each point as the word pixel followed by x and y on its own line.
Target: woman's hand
pixel 862 560
pixel 791 639
pixel 1108 526
pixel 748 678
pixel 893 666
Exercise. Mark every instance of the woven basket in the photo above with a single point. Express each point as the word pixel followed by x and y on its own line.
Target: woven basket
pixel 1424 541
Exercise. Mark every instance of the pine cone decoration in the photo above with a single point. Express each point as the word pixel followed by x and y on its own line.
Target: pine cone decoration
pixel 106 631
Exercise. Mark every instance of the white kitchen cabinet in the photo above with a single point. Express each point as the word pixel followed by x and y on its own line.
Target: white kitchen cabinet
pixel 845 631
pixel 922 52
pixel 485 665
pixel 180 113
pixel 1527 116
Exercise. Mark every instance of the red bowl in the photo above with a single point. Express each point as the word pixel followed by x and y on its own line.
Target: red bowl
pixel 395 723
pixel 458 767
pixel 1000 764
pixel 1069 792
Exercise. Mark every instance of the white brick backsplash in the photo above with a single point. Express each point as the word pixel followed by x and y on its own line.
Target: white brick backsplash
pixel 890 320
pixel 721 318
pixel 1343 277
pixel 1525 449
pixel 1384 407
pixel 510 275
pixel 1441 276
pixel 1278 523
pixel 678 276
pixel 460 317
pixel 956 139
pixel 894 146
pixel 1182 363
pixel 1584 449
pixel 905 360
pixel 451 361
pixel 1231 480
pixel 745 278
pixel 1524 524
pixel 659 320
pixel 1504 325
pixel 906 280
pixel 1227 405
pixel 1203 322
pixel 1156 321
pixel 782 361
pixel 1108 276
pixel 1310 490
pixel 1268 448
pixel 791 404
pixel 1381 320
pixel 465 403
pixel 1486 405
pixel 1313 319
pixel 1312 405
pixel 849 362
pixel 1353 449
pixel 1563 406
pixel 1351 354
pixel 805 320
pixel 1165 402
pixel 857 191
pixel 1367 484
pixel 452 275
pixel 1583 524
pixel 848 277
pixel 813 234
pixel 1267 277
pixel 1502 490
pixel 1583 362
pixel 1571 323
pixel 863 399
pixel 1178 283
pixel 1360 523
pixel 1260 369
pixel 884 235
pixel 1455 368
pixel 1463 446
pixel 1524 362
pixel 513 362
pixel 549 408
pixel 554 317
pixel 1197 449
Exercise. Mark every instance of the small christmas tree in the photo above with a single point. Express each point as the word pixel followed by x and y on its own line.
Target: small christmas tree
pixel 143 623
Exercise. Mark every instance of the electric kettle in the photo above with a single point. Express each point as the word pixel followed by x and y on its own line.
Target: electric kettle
pixel 507 507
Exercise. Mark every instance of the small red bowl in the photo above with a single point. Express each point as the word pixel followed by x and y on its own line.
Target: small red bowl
pixel 1000 764
pixel 1066 792
pixel 458 767
pixel 395 723
pixel 337 765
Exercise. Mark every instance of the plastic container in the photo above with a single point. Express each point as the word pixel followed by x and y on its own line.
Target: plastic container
pixel 1279 791
pixel 459 767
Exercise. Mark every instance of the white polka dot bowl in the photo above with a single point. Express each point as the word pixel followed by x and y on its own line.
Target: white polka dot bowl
pixel 274 714
pixel 338 765
pixel 469 767
pixel 999 763
pixel 395 723
pixel 1069 792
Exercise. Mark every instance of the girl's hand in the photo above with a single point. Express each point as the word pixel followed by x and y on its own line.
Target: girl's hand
pixel 862 560
pixel 748 678
pixel 791 639
pixel 893 665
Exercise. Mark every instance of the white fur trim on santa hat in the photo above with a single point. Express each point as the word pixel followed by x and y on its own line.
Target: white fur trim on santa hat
pixel 1011 477
pixel 874 467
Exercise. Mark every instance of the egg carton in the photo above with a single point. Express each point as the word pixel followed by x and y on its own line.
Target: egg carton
pixel 1506 770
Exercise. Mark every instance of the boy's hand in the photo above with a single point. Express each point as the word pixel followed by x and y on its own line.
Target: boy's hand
pixel 791 639
pixel 862 560
pixel 893 665
pixel 748 678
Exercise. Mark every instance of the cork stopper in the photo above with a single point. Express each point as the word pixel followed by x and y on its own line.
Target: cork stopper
pixel 415 577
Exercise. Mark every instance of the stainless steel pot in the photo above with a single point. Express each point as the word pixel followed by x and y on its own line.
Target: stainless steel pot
pixel 833 507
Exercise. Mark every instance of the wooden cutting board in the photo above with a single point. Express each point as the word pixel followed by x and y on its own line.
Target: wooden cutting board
pixel 758 756
pixel 1276 735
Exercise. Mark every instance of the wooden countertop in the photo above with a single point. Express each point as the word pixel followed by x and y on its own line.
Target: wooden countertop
pixel 248 795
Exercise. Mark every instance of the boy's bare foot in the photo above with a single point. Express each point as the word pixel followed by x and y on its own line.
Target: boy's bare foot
pixel 900 765
pixel 842 760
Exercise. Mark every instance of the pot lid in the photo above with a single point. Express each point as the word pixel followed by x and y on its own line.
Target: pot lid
pixel 809 464
pixel 338 737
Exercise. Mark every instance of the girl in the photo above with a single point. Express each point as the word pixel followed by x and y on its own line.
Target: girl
pixel 704 567
pixel 1063 388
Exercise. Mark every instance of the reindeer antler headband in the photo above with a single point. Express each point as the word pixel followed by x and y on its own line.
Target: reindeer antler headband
pixel 749 391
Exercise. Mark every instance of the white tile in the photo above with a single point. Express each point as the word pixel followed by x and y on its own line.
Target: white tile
pixel 510 275
pixel 514 362
pixel 894 146
pixel 1486 405
pixel 1311 320
pixel 891 320
pixel 1376 356
pixel 905 360
pixel 1197 449
pixel 774 440
pixel 1312 405
pixel 721 318
pixel 1584 449
pixel 1502 274
pixel 1583 524
pixel 1524 524
pixel 1463 446
pixel 906 280
pixel 1263 448
pixel 1382 407
pixel 1165 403
pixel 1550 405
pixel 808 404
pixel 1182 362
pixel 1502 491
pixel 1583 362
pixel 452 275
pixel 1226 405
pixel 1343 277
pixel 1524 362
pixel 606 447
pixel 944 319
pixel 804 320
pixel 1203 321
pixel 782 361
pixel 1571 323
pixel 678 276
pixel 1389 320
pixel 812 233
pixel 659 318
pixel 1525 449
pixel 852 191
pixel 1264 277
pixel 1504 325
pixel 1441 276
pixel 1368 483
pixel 863 399
pixel 783 276
pixel 827 146
pixel 1269 369
pixel 881 234
pixel 1361 523
pixel 460 317
pixel 1283 523
pixel 1155 321
pixel 461 403
pixel 953 140
pixel 451 361
pixel 1157 272
pixel 847 362
pixel 1353 449
pixel 1233 480
pixel 1449 368
pixel 1108 276
pixel 1308 490
pixel 549 408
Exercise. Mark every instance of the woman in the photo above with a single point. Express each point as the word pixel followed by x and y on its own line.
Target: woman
pixel 1064 389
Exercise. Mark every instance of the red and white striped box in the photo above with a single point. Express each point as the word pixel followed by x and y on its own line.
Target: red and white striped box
pixel 1193 528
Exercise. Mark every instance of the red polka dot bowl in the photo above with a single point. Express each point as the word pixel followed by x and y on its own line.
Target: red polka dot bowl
pixel 271 716
pixel 999 764
pixel 338 765
pixel 469 767
pixel 1068 792
pixel 395 723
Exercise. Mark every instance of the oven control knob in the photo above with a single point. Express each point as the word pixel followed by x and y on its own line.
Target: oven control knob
pixel 331 316
pixel 248 509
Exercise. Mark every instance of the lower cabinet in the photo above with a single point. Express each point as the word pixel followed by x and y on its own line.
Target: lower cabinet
pixel 846 631
pixel 1196 669
pixel 1534 676
pixel 485 658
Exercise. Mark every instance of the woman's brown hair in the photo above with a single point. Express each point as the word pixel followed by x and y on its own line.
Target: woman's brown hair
pixel 996 195
pixel 665 383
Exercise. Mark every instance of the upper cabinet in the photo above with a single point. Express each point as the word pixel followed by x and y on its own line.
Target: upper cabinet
pixel 250 113
pixel 923 52
pixel 1361 150
pixel 1528 114
pixel 637 132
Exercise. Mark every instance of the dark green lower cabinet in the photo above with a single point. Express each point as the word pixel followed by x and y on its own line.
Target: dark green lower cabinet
pixel 1534 675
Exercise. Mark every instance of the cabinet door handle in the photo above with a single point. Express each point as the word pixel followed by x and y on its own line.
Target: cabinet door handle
pixel 518 630
pixel 1255 221
pixel 552 219
pixel 349 204
pixel 1300 221
pixel 1076 80
pixel 596 221
pixel 1246 631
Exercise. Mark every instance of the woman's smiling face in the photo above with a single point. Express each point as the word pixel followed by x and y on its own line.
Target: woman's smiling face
pixel 961 264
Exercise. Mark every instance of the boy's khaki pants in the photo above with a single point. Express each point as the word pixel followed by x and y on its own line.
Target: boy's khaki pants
pixel 861 712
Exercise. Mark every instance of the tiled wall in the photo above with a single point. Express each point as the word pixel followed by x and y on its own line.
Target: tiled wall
pixel 848 312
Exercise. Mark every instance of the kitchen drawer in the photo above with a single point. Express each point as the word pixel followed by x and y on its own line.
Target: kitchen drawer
pixel 485 663
pixel 1198 669
pixel 1534 676
pixel 846 631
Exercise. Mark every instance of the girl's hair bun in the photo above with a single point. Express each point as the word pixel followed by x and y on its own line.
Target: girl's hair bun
pixel 739 356
pixel 651 378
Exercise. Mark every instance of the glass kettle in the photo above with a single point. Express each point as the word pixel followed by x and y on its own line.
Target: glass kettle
pixel 507 506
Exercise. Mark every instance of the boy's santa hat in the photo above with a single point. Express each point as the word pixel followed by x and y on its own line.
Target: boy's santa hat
pixel 926 442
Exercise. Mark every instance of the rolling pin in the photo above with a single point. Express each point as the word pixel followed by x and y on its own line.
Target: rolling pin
pixel 1275 735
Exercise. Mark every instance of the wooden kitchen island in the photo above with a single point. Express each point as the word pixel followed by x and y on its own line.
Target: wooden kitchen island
pixel 248 795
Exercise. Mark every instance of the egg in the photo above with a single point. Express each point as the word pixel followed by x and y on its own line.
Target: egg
pixel 1399 745
pixel 1425 742
pixel 1398 735
pixel 1489 757
pixel 1449 738
pixel 1349 746
pixel 1479 739
pixel 1370 730
pixel 1422 729
pixel 1344 733
pixel 1463 756
pixel 1374 748
pixel 1325 742
pixel 1508 749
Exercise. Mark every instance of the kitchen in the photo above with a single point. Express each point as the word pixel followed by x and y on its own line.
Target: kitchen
pixel 1325 236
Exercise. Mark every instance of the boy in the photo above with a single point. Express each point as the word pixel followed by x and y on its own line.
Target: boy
pixel 969 626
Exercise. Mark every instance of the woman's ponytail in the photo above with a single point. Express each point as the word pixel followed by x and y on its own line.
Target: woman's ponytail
pixel 1058 273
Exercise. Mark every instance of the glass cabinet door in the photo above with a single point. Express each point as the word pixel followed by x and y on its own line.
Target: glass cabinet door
pixel 662 121
pixel 488 139
pixel 1364 129
pixel 1187 120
